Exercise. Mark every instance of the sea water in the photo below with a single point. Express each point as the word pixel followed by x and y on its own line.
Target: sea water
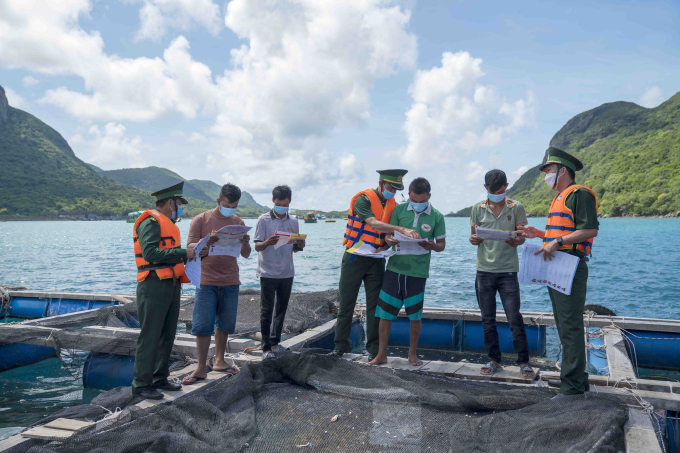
pixel 632 271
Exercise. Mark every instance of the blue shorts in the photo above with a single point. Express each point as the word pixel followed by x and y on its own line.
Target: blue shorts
pixel 398 291
pixel 215 307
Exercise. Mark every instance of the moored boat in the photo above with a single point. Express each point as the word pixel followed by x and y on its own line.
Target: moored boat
pixel 310 217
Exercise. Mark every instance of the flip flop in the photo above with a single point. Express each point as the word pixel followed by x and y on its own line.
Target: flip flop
pixel 229 370
pixel 191 380
pixel 492 367
pixel 525 368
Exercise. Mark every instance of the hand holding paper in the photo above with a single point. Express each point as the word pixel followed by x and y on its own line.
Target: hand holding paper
pixel 488 234
pixel 410 246
pixel 285 238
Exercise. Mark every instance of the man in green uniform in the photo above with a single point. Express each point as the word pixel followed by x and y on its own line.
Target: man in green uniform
pixel 363 225
pixel 158 298
pixel 572 225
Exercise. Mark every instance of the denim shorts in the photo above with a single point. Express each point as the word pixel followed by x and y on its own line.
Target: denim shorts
pixel 215 307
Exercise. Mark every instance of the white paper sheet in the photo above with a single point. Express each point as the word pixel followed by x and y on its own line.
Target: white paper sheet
pixel 408 246
pixel 494 235
pixel 362 249
pixel 226 250
pixel 193 267
pixel 557 274
pixel 229 242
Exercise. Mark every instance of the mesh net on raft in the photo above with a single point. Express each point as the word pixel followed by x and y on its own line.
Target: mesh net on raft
pixel 312 402
pixel 73 344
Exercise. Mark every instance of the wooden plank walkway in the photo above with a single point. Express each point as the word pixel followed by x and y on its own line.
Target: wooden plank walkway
pixel 620 365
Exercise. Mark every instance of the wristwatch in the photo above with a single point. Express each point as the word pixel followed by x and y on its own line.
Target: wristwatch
pixel 559 241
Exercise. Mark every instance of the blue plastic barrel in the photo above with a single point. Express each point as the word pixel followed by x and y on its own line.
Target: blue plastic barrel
pixel 108 371
pixel 34 307
pixel 654 349
pixel 434 333
pixel 472 338
pixel 16 355
pixel 356 336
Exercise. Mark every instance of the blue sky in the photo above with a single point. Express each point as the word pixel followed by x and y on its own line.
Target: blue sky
pixel 320 96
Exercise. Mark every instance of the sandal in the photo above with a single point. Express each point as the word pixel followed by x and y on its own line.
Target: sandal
pixel 491 366
pixel 191 380
pixel 526 369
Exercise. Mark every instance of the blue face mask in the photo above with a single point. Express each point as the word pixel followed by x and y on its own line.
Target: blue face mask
pixel 419 207
pixel 387 195
pixel 496 198
pixel 177 214
pixel 280 209
pixel 227 212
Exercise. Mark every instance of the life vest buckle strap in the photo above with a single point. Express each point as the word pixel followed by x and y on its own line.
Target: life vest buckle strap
pixel 154 267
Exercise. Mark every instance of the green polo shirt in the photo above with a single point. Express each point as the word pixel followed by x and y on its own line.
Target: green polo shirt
pixel 430 225
pixel 497 256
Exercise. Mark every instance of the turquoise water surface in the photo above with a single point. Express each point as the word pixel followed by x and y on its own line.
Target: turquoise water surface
pixel 632 272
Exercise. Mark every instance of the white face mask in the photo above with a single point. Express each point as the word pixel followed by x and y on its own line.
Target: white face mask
pixel 551 179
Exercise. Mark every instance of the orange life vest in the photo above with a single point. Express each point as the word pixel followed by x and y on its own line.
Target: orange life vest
pixel 360 231
pixel 561 221
pixel 170 239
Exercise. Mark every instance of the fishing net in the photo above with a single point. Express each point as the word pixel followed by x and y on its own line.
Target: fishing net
pixel 299 402
pixel 74 337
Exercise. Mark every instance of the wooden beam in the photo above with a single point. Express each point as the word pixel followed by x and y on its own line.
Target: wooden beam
pixel 68 295
pixel 547 319
pixel 639 433
pixel 300 341
pixel 649 385
pixel 620 366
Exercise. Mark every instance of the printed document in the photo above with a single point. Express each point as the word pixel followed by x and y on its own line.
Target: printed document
pixel 408 246
pixel 288 238
pixel 362 249
pixel 494 235
pixel 193 267
pixel 557 274
pixel 229 242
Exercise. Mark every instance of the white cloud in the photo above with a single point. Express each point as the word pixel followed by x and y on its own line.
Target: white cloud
pixel 304 70
pixel 29 81
pixel 110 148
pixel 158 16
pixel 14 100
pixel 652 97
pixel 196 137
pixel 455 125
pixel 453 115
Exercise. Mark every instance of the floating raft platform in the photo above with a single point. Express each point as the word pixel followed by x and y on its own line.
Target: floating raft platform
pixel 610 341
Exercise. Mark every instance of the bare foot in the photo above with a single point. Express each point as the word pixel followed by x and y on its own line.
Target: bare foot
pixel 414 360
pixel 379 360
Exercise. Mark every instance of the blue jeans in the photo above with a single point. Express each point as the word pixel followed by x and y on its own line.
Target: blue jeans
pixel 215 307
pixel 487 284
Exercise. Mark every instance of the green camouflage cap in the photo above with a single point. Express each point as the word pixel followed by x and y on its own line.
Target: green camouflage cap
pixel 559 157
pixel 171 192
pixel 393 177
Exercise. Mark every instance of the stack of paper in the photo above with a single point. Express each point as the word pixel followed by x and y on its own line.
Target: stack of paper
pixel 363 249
pixel 288 238
pixel 557 274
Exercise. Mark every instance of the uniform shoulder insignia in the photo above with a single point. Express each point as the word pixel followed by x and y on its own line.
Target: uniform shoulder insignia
pixel 153 219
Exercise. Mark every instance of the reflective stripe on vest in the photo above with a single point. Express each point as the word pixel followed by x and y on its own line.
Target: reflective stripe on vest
pixel 561 221
pixel 360 231
pixel 170 239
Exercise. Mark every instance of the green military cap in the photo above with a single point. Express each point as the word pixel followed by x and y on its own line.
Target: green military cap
pixel 557 156
pixel 394 177
pixel 171 192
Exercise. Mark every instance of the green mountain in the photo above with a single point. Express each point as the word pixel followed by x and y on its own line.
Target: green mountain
pixel 631 156
pixel 151 178
pixel 40 176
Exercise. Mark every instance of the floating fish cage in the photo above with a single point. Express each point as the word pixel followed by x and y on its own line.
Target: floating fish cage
pixel 629 360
